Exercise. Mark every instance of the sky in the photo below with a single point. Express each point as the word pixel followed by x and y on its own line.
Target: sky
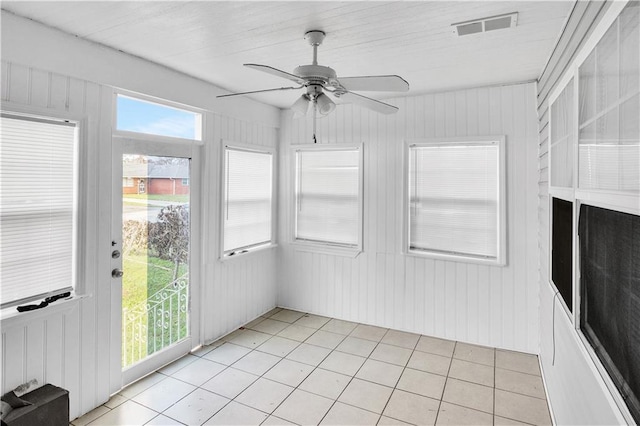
pixel 145 117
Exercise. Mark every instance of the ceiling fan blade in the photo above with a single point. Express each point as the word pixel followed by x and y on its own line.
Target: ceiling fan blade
pixel 258 91
pixel 276 72
pixel 377 83
pixel 372 104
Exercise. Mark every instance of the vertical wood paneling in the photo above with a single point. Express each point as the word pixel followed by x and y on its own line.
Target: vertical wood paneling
pixel 19 85
pixel 71 349
pixel 58 92
pixel 39 88
pixel 481 304
pixel 55 338
pixel 34 350
pixel 5 76
pixel 13 355
pixel 51 348
pixel 238 290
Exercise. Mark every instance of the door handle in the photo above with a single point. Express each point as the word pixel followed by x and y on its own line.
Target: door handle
pixel 117 273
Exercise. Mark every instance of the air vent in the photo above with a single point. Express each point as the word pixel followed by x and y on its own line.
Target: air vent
pixel 482 25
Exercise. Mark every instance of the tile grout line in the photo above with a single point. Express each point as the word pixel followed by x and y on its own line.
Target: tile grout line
pixel 294 388
pixel 352 377
pixel 494 386
pixel 333 349
pixel 404 368
pixel 297 386
pixel 453 353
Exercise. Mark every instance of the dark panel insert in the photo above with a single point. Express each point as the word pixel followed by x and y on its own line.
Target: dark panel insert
pixel 610 295
pixel 562 249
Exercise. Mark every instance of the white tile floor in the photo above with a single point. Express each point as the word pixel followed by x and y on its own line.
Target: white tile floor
pixel 287 367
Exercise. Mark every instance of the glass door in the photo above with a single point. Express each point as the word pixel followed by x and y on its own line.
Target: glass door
pixel 153 205
pixel 155 254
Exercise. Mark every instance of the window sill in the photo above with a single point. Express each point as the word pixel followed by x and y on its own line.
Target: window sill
pixel 327 249
pixel 247 253
pixel 455 258
pixel 11 317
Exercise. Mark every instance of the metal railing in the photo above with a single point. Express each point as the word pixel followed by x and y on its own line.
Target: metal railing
pixel 158 323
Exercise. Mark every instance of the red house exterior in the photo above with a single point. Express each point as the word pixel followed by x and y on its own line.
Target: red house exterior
pixel 155 179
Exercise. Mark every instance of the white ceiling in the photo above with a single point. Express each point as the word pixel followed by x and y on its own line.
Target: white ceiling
pixel 212 39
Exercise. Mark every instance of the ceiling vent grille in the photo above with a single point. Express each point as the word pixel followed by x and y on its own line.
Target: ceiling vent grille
pixel 483 25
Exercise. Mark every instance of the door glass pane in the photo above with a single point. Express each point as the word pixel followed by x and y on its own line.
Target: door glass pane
pixel 155 232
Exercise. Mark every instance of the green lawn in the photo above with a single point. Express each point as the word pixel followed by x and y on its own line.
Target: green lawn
pixel 143 277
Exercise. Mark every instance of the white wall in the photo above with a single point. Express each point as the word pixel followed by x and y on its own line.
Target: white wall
pixel 489 305
pixel 577 394
pixel 45 71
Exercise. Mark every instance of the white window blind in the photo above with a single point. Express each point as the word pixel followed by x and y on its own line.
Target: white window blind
pixel 454 191
pixel 248 193
pixel 609 98
pixel 328 196
pixel 37 207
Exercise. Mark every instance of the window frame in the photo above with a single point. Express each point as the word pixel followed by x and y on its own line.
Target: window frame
pixel 238 146
pixel 79 252
pixel 565 193
pixel 605 198
pixel 501 258
pixel 199 124
pixel 319 246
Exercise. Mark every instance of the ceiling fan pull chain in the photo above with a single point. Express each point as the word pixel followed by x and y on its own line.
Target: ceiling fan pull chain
pixel 315 108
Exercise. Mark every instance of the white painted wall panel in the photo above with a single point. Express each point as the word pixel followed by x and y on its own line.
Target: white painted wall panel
pixel 240 289
pixel 489 305
pixel 56 346
pixel 70 348
pixel 43 347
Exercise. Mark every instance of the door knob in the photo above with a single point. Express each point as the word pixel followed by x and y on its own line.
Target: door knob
pixel 117 273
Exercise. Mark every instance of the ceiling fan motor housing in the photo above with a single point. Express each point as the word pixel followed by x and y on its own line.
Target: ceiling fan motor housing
pixel 316 79
pixel 317 74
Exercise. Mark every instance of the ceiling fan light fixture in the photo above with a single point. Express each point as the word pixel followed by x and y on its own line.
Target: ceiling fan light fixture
pixel 324 104
pixel 301 106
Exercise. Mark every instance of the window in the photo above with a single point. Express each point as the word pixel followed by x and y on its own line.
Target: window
pixel 562 249
pixel 127 182
pixel 610 295
pixel 609 176
pixel 562 144
pixel 456 199
pixel 609 97
pixel 37 207
pixel 602 128
pixel 185 182
pixel 142 116
pixel 248 194
pixel 328 196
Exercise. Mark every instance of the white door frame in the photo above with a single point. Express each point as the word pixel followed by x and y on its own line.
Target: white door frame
pixel 154 146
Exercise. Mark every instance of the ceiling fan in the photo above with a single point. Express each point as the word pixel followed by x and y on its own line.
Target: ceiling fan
pixel 317 79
